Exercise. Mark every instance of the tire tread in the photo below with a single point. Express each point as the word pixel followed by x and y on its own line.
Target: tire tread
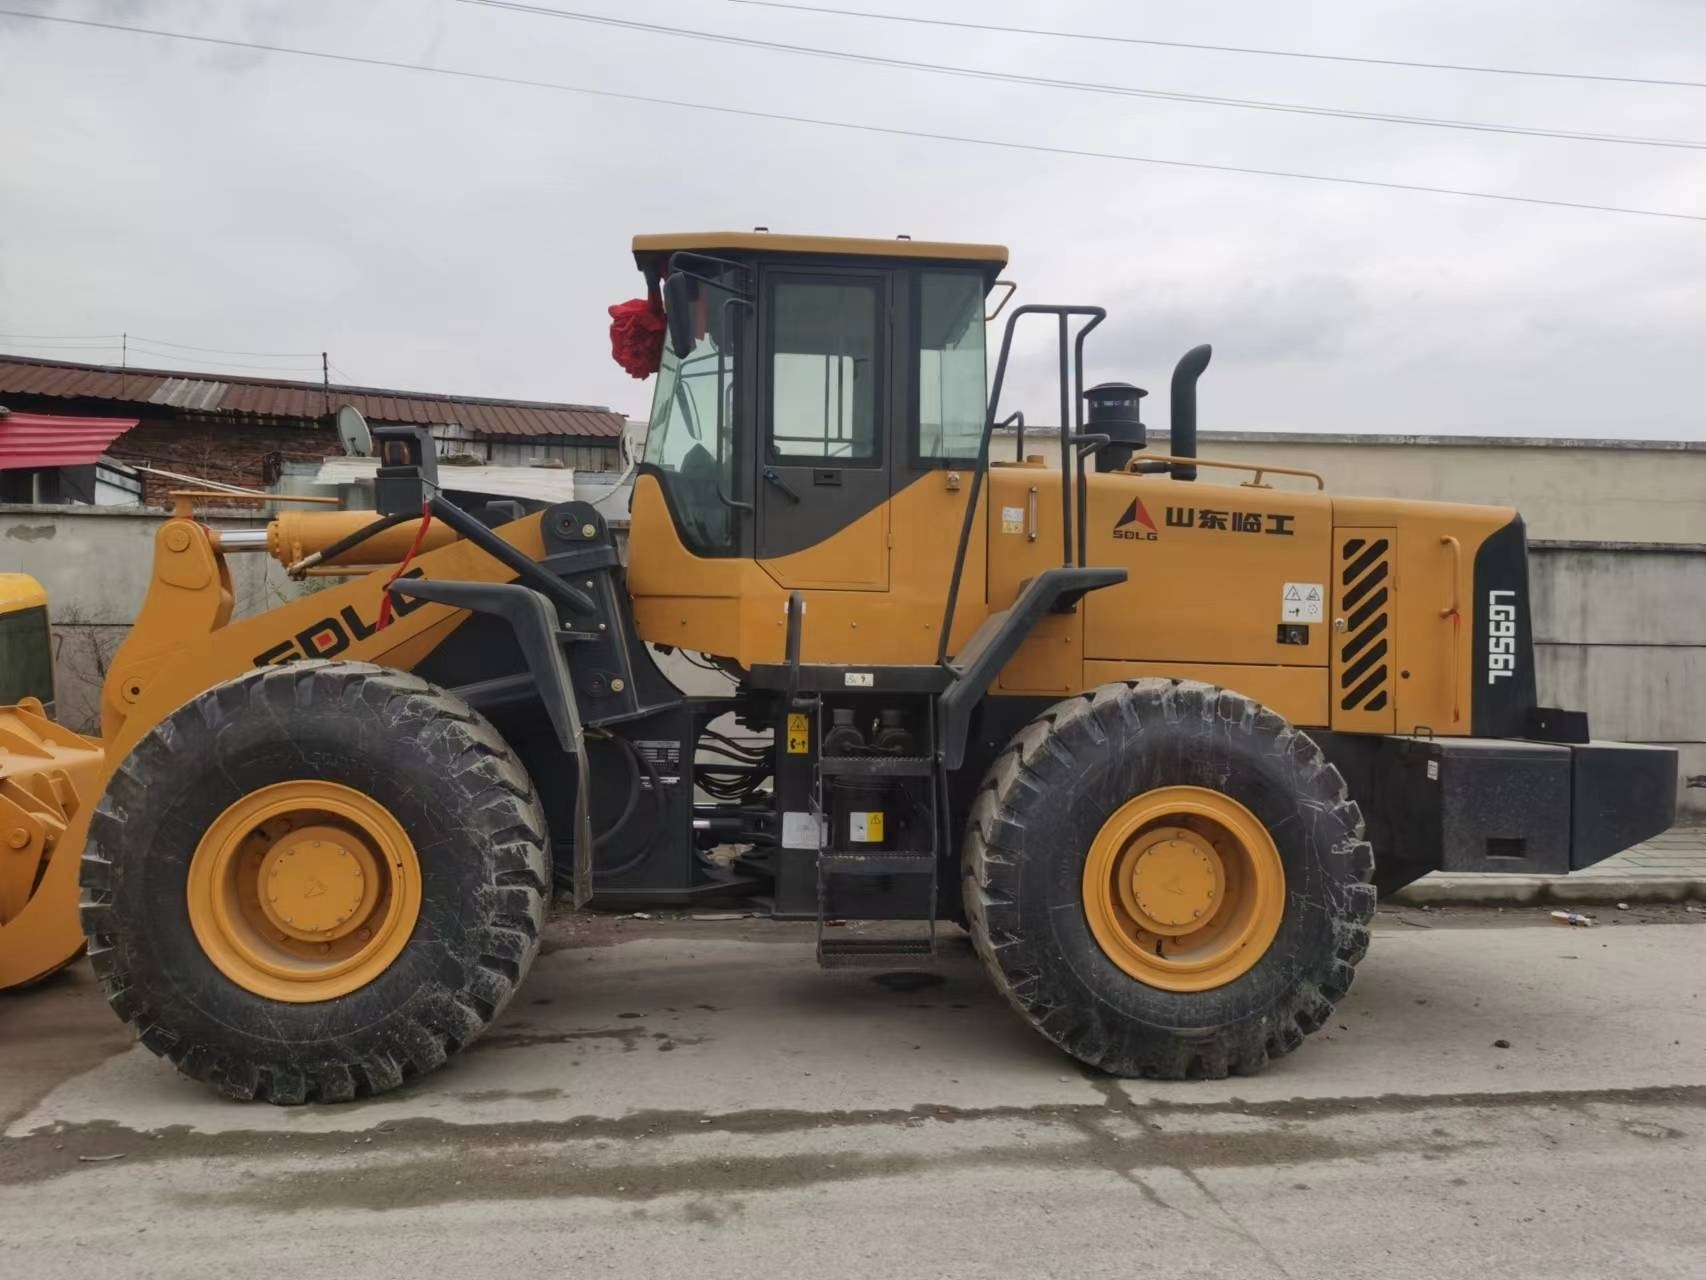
pixel 1042 755
pixel 501 803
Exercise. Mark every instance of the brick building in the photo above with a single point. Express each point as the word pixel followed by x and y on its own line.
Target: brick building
pixel 242 431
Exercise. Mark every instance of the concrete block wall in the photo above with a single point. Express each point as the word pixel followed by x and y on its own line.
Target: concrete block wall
pixel 1578 490
pixel 1617 531
pixel 95 563
pixel 1620 632
pixel 1620 627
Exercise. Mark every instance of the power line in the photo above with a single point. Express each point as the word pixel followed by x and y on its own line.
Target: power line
pixel 97 341
pixel 225 351
pixel 886 130
pixel 62 346
pixel 62 337
pixel 1077 86
pixel 224 364
pixel 136 349
pixel 1103 37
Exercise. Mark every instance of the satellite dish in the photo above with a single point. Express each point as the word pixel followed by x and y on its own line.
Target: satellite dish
pixel 353 433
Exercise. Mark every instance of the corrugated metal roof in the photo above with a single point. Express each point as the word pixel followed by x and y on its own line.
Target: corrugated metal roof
pixel 51 440
pixel 219 396
pixel 188 393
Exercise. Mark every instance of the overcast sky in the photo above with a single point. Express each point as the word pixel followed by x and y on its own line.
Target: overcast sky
pixel 448 235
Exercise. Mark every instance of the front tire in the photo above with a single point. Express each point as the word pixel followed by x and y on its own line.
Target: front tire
pixel 315 881
pixel 1167 880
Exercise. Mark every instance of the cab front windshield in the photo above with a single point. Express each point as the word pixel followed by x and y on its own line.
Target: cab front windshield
pixel 688 440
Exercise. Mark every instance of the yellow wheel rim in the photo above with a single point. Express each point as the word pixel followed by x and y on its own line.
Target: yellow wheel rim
pixel 304 891
pixel 1184 889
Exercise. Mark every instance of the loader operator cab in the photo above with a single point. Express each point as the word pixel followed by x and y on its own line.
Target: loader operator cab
pixel 804 381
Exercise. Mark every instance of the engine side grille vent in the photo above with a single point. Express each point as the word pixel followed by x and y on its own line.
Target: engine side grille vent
pixel 1365 672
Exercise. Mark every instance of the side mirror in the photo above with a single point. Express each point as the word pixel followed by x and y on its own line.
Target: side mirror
pixel 678 301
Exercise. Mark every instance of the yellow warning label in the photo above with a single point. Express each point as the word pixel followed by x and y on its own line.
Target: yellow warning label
pixel 799 734
pixel 866 827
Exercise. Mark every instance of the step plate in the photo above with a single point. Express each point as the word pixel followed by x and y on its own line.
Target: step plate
pixel 894 862
pixel 877 766
pixel 869 953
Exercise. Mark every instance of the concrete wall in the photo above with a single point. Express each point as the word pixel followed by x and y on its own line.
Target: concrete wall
pixel 1619 570
pixel 1584 490
pixel 1617 532
pixel 95 563
pixel 1620 632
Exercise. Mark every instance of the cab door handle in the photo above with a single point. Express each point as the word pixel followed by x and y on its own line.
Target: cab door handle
pixel 770 477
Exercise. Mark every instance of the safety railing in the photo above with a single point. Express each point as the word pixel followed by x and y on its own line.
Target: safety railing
pixel 1075 446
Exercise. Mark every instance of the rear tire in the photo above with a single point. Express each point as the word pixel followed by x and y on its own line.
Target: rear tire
pixel 460 797
pixel 1064 779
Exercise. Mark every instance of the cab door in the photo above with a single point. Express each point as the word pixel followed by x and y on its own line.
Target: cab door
pixel 822 483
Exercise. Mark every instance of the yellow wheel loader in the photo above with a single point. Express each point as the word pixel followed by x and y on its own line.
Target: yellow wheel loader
pixel 47 773
pixel 1154 729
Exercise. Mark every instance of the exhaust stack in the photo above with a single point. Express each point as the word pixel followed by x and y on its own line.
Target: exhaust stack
pixel 1182 438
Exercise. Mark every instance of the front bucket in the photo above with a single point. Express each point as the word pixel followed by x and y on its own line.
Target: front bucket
pixel 49 781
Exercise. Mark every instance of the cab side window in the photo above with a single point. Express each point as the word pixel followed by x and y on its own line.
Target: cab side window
pixel 825 338
pixel 692 442
pixel 951 389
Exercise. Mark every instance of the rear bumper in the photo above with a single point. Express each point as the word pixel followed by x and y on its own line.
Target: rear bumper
pixel 1504 805
pixel 1621 793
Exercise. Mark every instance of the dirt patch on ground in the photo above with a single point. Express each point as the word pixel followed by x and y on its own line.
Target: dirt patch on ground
pixel 50 1032
pixel 1391 916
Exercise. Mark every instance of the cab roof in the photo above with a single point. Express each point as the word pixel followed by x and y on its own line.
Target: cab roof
pixel 649 249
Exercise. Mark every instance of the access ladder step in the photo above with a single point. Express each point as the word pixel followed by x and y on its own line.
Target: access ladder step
pixel 877 862
pixel 877 766
pixel 865 953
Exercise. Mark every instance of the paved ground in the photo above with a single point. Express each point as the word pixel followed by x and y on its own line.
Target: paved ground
pixel 1667 868
pixel 696 1099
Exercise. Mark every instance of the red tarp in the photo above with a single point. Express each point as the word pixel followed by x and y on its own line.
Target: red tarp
pixel 50 440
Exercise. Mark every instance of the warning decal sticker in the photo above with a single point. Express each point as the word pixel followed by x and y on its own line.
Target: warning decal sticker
pixel 799 734
pixel 1303 602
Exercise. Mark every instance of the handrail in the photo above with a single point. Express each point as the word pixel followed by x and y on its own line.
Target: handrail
pixel 1097 315
pixel 732 503
pixel 1016 419
pixel 1455 613
pixel 1446 540
pixel 1140 465
pixel 1088 445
